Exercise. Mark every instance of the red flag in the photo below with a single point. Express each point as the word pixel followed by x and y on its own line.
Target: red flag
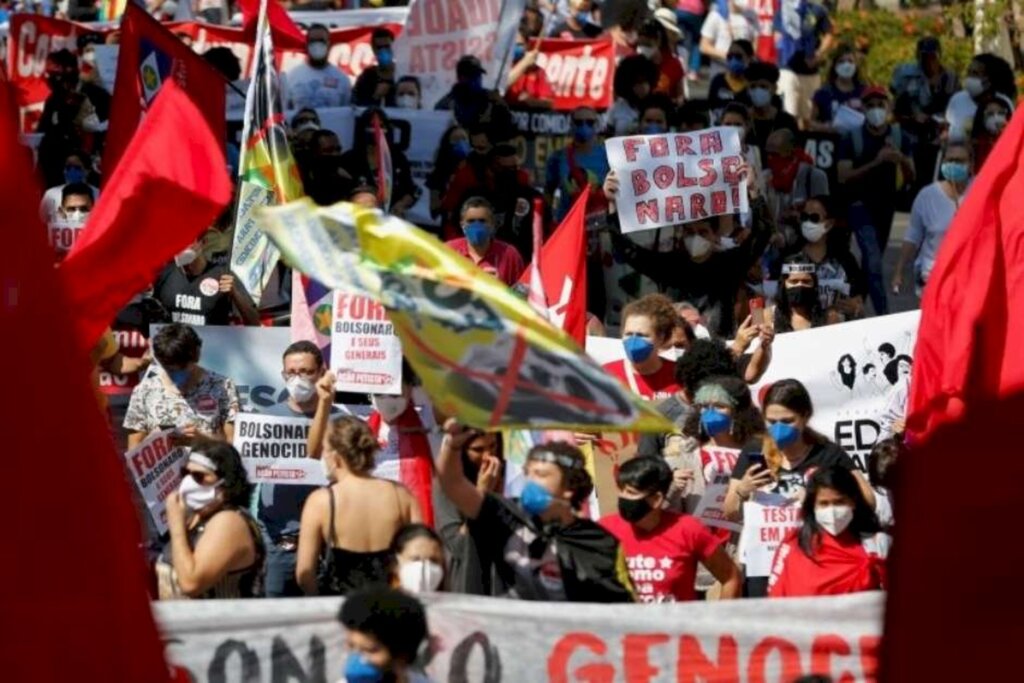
pixel 149 56
pixel 173 184
pixel 564 272
pixel 537 296
pixel 384 170
pixel 972 320
pixel 72 588
pixel 286 35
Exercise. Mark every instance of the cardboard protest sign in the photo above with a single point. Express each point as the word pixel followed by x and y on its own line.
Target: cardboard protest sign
pixel 767 519
pixel 674 178
pixel 366 354
pixel 155 468
pixel 273 450
pixel 717 472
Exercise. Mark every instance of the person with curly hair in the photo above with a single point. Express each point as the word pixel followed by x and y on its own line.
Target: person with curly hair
pixel 216 550
pixel 385 632
pixel 647 326
pixel 354 519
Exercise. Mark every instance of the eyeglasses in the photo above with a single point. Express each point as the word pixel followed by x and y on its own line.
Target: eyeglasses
pixel 813 217
pixel 307 374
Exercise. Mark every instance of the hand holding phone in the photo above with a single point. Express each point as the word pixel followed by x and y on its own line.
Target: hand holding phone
pixel 757 310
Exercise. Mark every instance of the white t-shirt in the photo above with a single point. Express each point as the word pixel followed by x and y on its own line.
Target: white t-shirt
pixel 51 202
pixel 930 218
pixel 960 115
pixel 722 31
pixel 304 86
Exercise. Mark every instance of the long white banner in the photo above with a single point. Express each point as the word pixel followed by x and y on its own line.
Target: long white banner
pixel 492 640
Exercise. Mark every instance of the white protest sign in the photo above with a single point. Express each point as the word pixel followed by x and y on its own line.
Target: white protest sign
pixel 674 178
pixel 155 468
pixel 767 518
pixel 366 354
pixel 273 450
pixel 717 472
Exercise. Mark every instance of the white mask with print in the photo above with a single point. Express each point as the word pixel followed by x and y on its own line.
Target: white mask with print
pixel 834 518
pixel 421 576
pixel 697 246
pixel 389 407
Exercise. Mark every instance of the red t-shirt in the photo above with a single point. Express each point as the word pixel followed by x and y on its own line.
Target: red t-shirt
pixel 842 565
pixel 501 260
pixel 663 562
pixel 670 74
pixel 534 83
pixel 661 384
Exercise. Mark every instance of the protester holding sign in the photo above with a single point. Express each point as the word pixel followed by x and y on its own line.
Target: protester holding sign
pixel 352 520
pixel 180 394
pixel 539 545
pixel 839 547
pixel 528 84
pixel 197 291
pixel 215 549
pixel 663 548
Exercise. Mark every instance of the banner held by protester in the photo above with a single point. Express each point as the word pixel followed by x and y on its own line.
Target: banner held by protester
pixel 366 354
pixel 273 450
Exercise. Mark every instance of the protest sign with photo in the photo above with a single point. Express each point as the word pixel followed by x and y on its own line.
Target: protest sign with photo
pixel 717 472
pixel 676 178
pixel 366 354
pixel 767 519
pixel 273 450
pixel 154 466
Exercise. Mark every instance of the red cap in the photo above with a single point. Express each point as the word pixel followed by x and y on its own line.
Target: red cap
pixel 874 91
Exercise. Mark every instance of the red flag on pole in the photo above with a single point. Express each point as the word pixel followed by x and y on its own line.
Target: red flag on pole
pixel 972 320
pixel 384 170
pixel 286 35
pixel 72 588
pixel 172 185
pixel 537 297
pixel 149 56
pixel 563 272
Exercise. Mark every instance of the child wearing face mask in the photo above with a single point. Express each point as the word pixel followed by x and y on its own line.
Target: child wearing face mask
pixel 839 547
pixel 419 560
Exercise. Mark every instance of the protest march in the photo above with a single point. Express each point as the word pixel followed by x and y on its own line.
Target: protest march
pixel 377 329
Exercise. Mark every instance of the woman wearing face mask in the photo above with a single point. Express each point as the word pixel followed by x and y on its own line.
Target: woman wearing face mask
pixel 839 547
pixel 353 519
pixel 844 87
pixel 656 41
pixel 931 216
pixel 798 304
pixel 385 634
pixel 989 123
pixel 739 22
pixel 215 549
pixel 676 542
pixel 361 161
pixel 647 326
pixel 987 76
pixel 566 557
pixel 635 79
pixel 408 94
pixel 419 560
pixel 731 85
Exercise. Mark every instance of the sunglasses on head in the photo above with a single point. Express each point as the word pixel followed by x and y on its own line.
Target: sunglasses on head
pixel 812 217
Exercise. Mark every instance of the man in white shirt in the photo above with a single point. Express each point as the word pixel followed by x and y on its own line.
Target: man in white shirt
pixel 316 83
pixel 76 170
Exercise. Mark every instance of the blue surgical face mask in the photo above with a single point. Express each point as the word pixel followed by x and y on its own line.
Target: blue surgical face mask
pixel 518 52
pixel 535 499
pixel 652 128
pixel 638 349
pixel 715 422
pixel 358 670
pixel 478 233
pixel 74 174
pixel 583 18
pixel 385 57
pixel 956 171
pixel 179 377
pixel 736 66
pixel 584 132
pixel 784 434
pixel 760 97
pixel 461 149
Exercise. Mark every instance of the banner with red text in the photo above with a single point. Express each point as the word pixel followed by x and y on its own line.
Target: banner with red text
pixel 489 640
pixel 366 354
pixel 580 72
pixel 154 466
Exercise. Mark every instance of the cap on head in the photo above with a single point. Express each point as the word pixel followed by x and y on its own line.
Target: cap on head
pixel 469 66
pixel 875 92
pixel 667 18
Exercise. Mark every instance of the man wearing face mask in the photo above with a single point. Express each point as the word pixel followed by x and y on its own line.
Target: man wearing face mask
pixel 68 117
pixel 375 86
pixel 471 102
pixel 765 116
pixel 875 162
pixel 675 542
pixel 479 245
pixel 539 546
pixel 315 83
pixel 197 292
pixel 64 229
pixel 581 163
pixel 76 170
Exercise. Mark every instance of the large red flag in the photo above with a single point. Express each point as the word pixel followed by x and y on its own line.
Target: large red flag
pixel 972 315
pixel 563 270
pixel 287 36
pixel 73 603
pixel 150 56
pixel 172 185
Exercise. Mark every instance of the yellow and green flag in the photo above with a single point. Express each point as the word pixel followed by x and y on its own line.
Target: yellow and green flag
pixel 482 353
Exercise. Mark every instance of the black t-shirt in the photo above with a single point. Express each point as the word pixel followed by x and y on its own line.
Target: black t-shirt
pixel 879 187
pixel 194 299
pixel 822 455
pixel 762 128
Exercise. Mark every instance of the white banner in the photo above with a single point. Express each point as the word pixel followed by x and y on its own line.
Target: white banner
pixel 366 354
pixel 767 519
pixel 438 32
pixel 490 640
pixel 155 468
pixel 273 450
pixel 718 471
pixel 677 177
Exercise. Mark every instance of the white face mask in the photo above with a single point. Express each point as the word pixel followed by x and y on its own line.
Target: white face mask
pixel 421 576
pixel 197 496
pixel 877 116
pixel 389 407
pixel 994 123
pixel 78 216
pixel 834 518
pixel 300 388
pixel 406 101
pixel 697 246
pixel 701 332
pixel 726 243
pixel 186 257
pixel 846 69
pixel 647 51
pixel 811 231
pixel 974 86
pixel 317 51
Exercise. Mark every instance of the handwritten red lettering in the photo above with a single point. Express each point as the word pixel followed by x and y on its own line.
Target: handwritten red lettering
pixel 694 666
pixel 558 661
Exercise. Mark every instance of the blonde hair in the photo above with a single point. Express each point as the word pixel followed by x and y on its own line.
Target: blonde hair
pixel 354 442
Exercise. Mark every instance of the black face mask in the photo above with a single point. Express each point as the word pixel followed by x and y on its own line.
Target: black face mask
pixel 802 297
pixel 633 510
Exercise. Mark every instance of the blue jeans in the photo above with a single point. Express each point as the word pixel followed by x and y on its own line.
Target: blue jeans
pixel 691 25
pixel 868 240
pixel 279 579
